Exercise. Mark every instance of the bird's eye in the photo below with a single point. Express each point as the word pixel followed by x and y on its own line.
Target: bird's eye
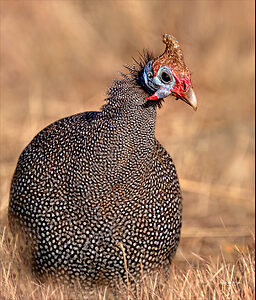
pixel 150 75
pixel 165 77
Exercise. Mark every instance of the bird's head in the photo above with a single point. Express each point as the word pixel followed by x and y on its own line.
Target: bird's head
pixel 168 75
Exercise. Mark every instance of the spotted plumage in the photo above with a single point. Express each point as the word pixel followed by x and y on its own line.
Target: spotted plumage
pixel 95 190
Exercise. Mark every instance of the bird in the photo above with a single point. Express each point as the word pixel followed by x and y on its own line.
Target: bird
pixel 95 195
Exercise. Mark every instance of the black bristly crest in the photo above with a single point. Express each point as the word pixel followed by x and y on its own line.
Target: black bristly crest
pixel 143 58
pixel 140 63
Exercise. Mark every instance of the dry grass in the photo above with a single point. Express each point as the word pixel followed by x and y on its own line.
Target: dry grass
pixel 58 57
pixel 213 279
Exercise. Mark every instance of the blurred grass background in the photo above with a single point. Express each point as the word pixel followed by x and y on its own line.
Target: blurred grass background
pixel 59 57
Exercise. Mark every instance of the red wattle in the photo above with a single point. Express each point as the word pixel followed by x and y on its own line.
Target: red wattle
pixel 153 97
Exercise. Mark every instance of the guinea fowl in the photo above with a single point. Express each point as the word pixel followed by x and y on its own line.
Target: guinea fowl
pixel 95 194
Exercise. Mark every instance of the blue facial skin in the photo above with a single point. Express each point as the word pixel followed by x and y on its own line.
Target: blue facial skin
pixel 161 84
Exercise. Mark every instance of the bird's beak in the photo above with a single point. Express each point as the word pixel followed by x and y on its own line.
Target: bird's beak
pixel 189 97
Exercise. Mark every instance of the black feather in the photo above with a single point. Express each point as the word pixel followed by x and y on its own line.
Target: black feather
pixel 143 59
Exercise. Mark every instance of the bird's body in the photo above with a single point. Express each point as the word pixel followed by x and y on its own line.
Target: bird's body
pixel 97 194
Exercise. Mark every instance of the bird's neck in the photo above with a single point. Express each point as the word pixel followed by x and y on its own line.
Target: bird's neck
pixel 136 126
pixel 130 125
pixel 129 115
